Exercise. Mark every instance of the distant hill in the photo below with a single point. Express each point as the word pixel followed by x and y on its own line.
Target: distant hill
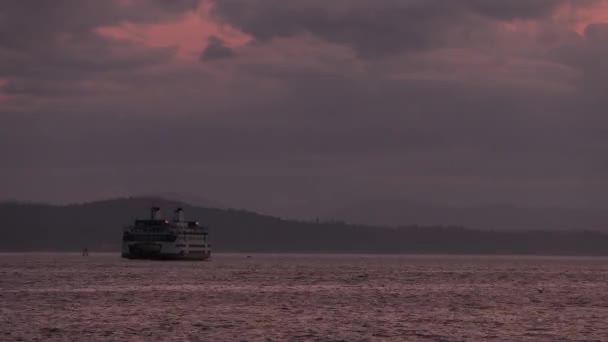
pixel 191 199
pixel 98 226
pixel 499 217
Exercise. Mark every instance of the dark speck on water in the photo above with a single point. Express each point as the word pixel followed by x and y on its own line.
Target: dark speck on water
pixel 64 297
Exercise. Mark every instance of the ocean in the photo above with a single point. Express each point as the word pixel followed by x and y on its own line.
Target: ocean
pixel 282 297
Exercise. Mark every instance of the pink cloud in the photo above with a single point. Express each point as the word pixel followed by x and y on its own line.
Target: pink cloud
pixel 189 34
pixel 579 18
pixel 4 96
pixel 575 18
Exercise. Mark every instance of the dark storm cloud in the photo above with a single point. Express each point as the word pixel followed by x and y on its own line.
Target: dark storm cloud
pixel 216 49
pixel 587 55
pixel 378 28
pixel 597 32
pixel 519 9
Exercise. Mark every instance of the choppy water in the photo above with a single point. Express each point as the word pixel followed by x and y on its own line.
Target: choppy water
pixel 60 297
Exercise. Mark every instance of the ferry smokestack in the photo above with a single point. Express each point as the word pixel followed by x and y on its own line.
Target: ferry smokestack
pixel 178 215
pixel 155 213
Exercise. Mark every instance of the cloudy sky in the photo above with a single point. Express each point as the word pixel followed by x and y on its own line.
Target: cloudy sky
pixel 297 107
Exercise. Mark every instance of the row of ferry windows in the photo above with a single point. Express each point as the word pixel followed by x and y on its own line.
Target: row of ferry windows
pixel 131 237
pixel 162 230
pixel 197 238
pixel 165 237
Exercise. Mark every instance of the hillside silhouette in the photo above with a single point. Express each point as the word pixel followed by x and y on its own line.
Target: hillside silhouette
pixel 98 226
pixel 484 217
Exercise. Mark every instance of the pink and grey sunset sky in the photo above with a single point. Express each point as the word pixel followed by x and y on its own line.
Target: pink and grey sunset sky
pixel 289 107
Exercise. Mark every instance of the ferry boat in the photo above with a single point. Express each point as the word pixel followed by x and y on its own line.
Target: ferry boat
pixel 160 239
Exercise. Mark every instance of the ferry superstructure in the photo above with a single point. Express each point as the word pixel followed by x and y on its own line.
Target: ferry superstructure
pixel 160 239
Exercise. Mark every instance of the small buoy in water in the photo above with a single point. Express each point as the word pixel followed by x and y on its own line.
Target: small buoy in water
pixel 249 257
pixel 540 290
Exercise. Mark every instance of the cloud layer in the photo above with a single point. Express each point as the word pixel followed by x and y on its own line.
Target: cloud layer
pixel 292 106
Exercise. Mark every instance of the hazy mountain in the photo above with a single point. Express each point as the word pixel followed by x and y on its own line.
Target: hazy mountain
pixel 191 199
pixel 98 225
pixel 502 217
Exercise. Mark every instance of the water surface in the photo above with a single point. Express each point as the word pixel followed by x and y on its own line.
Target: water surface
pixel 63 297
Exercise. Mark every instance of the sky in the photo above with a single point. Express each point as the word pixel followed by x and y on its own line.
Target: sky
pixel 299 107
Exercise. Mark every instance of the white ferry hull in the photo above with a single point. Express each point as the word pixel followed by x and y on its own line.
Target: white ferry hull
pixel 166 256
pixel 162 251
